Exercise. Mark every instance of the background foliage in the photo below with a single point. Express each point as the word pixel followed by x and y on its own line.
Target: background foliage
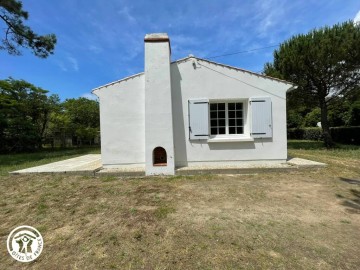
pixel 30 118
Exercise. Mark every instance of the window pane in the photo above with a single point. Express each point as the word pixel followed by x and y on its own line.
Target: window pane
pixel 222 123
pixel 239 106
pixel 221 106
pixel 231 114
pixel 239 130
pixel 213 123
pixel 231 130
pixel 231 106
pixel 239 114
pixel 213 115
pixel 231 122
pixel 221 114
pixel 239 122
pixel 213 107
pixel 222 130
pixel 213 131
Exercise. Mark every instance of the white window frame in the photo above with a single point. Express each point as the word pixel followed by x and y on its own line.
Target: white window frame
pixel 231 137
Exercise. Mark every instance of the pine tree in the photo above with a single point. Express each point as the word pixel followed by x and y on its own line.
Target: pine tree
pixel 19 35
pixel 324 63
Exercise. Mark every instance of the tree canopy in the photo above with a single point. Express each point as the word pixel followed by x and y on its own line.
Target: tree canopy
pixel 324 63
pixel 19 35
pixel 24 113
pixel 30 118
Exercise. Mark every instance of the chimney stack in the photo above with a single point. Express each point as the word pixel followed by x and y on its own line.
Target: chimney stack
pixel 159 137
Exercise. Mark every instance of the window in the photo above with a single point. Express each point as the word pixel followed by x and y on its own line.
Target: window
pixel 230 120
pixel 226 118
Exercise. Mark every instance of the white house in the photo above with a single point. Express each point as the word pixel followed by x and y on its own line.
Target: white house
pixel 191 112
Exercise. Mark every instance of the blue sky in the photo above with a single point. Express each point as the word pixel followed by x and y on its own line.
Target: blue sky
pixel 100 41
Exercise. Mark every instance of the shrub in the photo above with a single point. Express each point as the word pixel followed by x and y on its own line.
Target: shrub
pixel 312 118
pixel 313 133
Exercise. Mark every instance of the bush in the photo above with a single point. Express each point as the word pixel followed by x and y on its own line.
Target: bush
pixel 347 135
pixel 312 118
pixel 313 133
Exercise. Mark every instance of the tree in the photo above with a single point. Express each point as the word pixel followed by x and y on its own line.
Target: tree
pixel 24 115
pixel 19 35
pixel 325 64
pixel 78 118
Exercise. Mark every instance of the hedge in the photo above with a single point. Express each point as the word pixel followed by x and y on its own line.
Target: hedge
pixel 346 135
pixel 312 133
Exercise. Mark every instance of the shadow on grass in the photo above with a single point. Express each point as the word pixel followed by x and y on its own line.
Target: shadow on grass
pixel 350 181
pixel 317 145
pixel 352 203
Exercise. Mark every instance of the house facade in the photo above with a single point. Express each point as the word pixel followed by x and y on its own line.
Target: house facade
pixel 191 112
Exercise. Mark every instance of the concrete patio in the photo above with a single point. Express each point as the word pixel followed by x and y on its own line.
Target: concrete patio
pixel 87 164
pixel 91 165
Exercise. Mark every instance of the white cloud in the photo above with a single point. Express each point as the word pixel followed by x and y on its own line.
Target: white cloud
pixel 95 49
pixel 73 62
pixel 68 63
pixel 89 96
pixel 270 14
pixel 61 66
pixel 357 17
pixel 125 12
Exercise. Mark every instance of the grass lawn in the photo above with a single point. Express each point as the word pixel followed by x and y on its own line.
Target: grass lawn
pixel 298 220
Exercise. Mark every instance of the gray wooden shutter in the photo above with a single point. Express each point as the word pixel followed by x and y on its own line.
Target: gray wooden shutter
pixel 198 119
pixel 261 117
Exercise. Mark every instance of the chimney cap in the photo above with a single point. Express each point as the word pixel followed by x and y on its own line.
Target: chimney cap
pixel 156 37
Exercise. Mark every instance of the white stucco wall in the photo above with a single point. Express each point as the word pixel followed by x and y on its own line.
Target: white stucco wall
pixel 216 82
pixel 122 116
pixel 122 124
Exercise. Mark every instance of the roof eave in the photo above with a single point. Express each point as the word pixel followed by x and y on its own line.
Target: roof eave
pixel 248 71
pixel 118 81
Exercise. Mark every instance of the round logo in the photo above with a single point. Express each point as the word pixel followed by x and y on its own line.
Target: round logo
pixel 25 243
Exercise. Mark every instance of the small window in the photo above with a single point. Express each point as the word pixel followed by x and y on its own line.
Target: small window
pixel 227 118
pixel 159 157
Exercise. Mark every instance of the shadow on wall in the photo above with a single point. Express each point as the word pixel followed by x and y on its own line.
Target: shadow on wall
pixel 180 134
pixel 239 145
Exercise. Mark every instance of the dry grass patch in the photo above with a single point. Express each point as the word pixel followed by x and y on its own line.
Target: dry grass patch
pixel 298 220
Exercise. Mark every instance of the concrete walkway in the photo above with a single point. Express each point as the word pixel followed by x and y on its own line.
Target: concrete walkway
pixel 87 164
pixel 305 163
pixel 242 168
pixel 91 164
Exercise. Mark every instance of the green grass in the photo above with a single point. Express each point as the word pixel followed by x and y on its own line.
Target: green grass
pixel 13 162
pixel 303 147
pixel 340 158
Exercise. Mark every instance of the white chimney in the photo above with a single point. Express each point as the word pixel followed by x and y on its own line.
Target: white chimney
pixel 159 137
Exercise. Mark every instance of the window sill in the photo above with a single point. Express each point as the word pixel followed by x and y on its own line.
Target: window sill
pixel 241 139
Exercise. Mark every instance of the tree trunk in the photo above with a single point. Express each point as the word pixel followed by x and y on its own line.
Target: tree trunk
pixel 325 125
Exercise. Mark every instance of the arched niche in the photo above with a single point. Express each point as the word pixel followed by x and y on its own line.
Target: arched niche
pixel 159 157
